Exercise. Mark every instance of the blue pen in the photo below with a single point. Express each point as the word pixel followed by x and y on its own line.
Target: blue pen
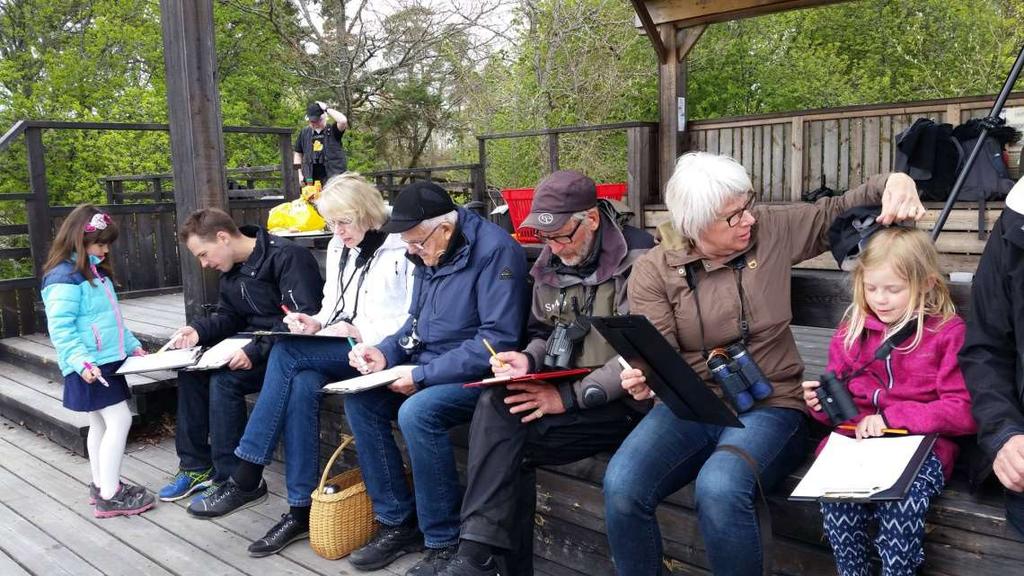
pixel 363 367
pixel 90 367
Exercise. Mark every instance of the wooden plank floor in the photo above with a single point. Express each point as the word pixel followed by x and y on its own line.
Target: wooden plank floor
pixel 47 526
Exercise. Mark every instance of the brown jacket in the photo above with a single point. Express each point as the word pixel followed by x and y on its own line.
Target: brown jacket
pixel 783 235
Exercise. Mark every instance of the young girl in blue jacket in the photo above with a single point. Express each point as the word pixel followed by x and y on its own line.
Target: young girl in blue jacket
pixel 88 331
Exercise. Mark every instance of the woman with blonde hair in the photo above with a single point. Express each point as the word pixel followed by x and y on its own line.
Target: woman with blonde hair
pixel 366 297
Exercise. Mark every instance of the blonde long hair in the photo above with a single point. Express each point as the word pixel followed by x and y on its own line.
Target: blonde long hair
pixel 914 258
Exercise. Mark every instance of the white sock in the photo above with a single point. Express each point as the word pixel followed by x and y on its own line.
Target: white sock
pixel 118 419
pixel 92 442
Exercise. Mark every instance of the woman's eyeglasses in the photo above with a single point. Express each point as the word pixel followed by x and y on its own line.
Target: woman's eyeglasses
pixel 734 218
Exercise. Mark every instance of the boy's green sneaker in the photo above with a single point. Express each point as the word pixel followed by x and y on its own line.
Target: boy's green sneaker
pixel 184 484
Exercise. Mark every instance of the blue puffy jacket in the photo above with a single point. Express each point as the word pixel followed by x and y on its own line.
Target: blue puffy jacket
pixel 84 319
pixel 479 291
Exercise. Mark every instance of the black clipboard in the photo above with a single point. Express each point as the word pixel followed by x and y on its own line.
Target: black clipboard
pixel 672 379
pixel 898 491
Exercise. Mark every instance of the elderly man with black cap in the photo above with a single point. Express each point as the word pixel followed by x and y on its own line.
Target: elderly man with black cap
pixel 469 288
pixel 581 272
pixel 318 152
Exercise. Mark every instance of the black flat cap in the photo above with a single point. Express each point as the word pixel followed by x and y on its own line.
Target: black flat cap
pixel 417 202
pixel 849 233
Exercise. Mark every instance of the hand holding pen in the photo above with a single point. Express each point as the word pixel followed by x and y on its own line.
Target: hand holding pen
pixel 92 374
pixel 184 337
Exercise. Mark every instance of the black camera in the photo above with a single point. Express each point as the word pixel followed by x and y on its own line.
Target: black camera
pixel 411 342
pixel 739 376
pixel 835 398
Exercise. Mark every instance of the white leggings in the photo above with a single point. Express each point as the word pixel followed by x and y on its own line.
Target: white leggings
pixel 108 432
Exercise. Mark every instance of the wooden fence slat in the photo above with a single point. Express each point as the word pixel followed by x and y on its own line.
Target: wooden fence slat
pixel 712 142
pixel 752 156
pixel 725 142
pixel 780 147
pixel 856 175
pixel 830 153
pixel 843 178
pixel 885 147
pixel 814 156
pixel 871 146
pixel 796 159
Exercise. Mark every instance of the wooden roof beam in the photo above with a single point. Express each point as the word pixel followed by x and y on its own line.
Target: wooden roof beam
pixel 688 13
pixel 651 30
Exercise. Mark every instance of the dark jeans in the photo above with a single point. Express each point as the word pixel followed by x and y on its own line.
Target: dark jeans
pixel 664 453
pixel 424 419
pixel 501 489
pixel 211 417
pixel 289 404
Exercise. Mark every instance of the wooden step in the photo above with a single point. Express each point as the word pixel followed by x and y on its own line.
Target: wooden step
pixel 29 400
pixel 35 353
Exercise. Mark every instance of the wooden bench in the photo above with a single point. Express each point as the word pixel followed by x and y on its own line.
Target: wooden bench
pixel 966 533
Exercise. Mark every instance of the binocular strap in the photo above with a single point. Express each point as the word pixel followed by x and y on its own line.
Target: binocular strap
pixel 764 518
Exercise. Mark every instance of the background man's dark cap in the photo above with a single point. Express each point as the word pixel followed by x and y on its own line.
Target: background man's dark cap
pixel 415 203
pixel 558 197
pixel 314 111
pixel 850 232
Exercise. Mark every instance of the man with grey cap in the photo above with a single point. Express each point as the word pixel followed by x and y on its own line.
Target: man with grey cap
pixel 581 273
pixel 318 151
pixel 469 288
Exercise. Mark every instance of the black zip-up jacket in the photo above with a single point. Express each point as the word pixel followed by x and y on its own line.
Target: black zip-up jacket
pixel 992 358
pixel 278 272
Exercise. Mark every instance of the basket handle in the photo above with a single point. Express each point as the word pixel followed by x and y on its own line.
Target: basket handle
pixel 345 441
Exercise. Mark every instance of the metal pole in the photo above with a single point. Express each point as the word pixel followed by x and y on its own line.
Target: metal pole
pixel 994 113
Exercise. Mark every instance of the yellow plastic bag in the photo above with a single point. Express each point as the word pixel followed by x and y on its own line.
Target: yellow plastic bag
pixel 295 216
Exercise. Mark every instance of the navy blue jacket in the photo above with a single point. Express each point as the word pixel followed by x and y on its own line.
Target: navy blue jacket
pixel 478 292
pixel 277 272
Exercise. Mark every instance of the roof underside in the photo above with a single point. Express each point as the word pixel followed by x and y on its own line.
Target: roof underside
pixel 686 13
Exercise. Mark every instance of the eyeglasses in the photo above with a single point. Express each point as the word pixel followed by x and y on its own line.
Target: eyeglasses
pixel 332 224
pixel 733 219
pixel 419 245
pixel 561 238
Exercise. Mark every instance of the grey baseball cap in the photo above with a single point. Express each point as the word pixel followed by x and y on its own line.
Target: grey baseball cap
pixel 558 197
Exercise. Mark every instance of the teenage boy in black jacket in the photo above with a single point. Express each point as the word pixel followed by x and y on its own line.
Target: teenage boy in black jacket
pixel 992 358
pixel 261 274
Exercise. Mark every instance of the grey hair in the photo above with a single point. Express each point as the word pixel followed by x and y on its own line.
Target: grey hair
pixel 447 218
pixel 700 185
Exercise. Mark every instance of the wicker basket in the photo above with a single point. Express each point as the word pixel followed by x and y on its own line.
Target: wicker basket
pixel 343 521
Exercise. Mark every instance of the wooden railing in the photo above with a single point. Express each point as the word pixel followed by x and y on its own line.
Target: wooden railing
pixel 159 187
pixel 787 154
pixel 146 256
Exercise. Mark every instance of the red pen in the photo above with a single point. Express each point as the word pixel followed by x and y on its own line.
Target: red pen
pixel 285 308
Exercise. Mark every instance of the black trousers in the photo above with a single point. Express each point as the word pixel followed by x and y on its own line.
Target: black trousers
pixel 501 492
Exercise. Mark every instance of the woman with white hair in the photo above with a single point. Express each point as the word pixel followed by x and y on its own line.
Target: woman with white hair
pixel 366 297
pixel 723 291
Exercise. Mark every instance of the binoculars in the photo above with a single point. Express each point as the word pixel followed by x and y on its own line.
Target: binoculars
pixel 835 398
pixel 739 376
pixel 558 352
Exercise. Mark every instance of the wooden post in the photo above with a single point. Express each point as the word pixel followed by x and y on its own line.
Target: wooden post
pixel 39 206
pixel 671 86
pixel 197 144
pixel 642 171
pixel 289 179
pixel 796 159
pixel 552 152
pixel 480 181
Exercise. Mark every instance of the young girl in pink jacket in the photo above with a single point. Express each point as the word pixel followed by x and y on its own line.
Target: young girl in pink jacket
pixel 917 387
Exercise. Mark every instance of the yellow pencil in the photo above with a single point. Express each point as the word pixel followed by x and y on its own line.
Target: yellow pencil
pixel 853 427
pixel 493 353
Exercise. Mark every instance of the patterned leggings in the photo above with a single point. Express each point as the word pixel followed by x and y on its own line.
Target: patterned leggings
pixel 900 527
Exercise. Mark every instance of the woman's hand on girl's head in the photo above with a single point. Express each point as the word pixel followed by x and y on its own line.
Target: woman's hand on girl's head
pixel 870 426
pixel 635 384
pixel 810 394
pixel 900 200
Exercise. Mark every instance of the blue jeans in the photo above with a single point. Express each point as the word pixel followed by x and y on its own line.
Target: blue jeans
pixel 290 404
pixel 664 453
pixel 211 417
pixel 424 419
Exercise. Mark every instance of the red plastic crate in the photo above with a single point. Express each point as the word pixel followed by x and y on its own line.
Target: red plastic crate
pixel 519 200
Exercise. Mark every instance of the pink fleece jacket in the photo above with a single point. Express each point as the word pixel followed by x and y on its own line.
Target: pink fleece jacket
pixel 921 390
